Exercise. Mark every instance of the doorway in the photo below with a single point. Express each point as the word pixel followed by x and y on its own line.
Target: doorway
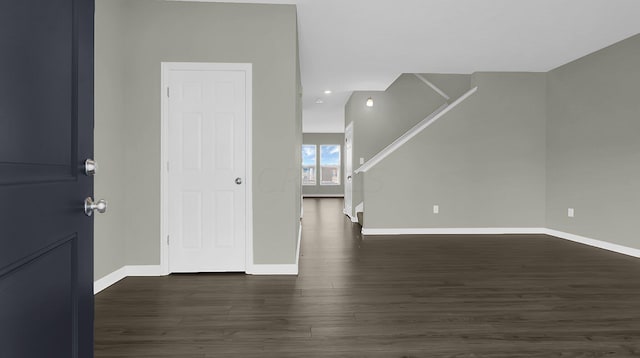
pixel 206 146
pixel 348 170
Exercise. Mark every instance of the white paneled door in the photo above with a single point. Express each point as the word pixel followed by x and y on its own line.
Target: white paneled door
pixel 207 183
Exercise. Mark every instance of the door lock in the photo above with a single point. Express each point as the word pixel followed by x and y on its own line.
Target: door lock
pixel 90 167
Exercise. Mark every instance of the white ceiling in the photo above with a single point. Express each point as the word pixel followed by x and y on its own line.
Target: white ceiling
pixel 350 45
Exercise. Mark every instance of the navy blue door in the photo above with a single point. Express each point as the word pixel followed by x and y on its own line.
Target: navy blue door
pixel 46 133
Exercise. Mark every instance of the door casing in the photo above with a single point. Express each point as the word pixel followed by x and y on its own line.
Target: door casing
pixel 348 171
pixel 166 67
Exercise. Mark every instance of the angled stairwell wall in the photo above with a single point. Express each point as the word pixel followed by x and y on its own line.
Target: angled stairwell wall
pixel 396 110
pixel 480 163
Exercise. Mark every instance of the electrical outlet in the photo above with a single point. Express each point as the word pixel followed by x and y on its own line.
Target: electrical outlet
pixel 570 212
pixel 436 209
pixel 361 161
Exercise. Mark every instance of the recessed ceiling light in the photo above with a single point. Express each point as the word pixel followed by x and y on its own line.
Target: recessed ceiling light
pixel 328 92
pixel 319 101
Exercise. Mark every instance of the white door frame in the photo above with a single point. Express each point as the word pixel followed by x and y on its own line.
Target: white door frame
pixel 348 185
pixel 166 67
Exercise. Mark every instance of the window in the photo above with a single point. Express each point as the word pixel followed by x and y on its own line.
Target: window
pixel 308 164
pixel 330 164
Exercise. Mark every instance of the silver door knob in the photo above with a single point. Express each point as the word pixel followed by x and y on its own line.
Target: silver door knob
pixel 90 167
pixel 238 181
pixel 90 206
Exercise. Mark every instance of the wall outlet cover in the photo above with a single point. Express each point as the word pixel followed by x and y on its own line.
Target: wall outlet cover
pixel 570 212
pixel 436 209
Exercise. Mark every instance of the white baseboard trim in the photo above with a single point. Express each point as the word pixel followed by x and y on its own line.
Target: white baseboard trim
pixel 110 279
pixel 156 270
pixel 501 231
pixel 286 269
pixel 354 219
pixel 323 195
pixel 145 270
pixel 453 231
pixel 123 272
pixel 275 269
pixel 298 247
pixel 595 243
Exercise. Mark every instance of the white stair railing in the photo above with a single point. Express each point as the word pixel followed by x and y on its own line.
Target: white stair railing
pixel 422 125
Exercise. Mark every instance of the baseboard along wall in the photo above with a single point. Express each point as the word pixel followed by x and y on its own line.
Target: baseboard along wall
pixel 292 269
pixel 156 270
pixel 123 272
pixel 502 231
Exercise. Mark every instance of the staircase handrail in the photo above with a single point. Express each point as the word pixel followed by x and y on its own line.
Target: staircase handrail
pixel 415 130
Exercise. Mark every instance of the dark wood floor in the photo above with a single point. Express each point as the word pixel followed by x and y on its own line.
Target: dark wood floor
pixel 435 296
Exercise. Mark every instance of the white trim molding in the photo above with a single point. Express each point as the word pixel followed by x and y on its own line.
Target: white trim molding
pixel 264 270
pixel 629 251
pixel 126 271
pixel 323 195
pixel 453 231
pixel 359 209
pixel 293 269
pixel 109 280
pixel 159 270
pixel 278 269
pixel 422 125
pixel 354 219
pixel 433 87
pixel 299 244
pixel 166 67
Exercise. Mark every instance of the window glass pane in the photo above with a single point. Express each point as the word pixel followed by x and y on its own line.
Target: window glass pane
pixel 330 164
pixel 308 164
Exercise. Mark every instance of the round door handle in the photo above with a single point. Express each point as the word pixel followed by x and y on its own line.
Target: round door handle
pixel 90 206
pixel 238 180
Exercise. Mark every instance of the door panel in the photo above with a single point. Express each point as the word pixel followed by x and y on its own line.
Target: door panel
pixel 32 52
pixel 48 304
pixel 206 145
pixel 46 132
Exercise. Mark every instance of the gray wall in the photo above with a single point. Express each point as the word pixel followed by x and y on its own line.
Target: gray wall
pixel 482 163
pixel 405 103
pixel 155 31
pixel 593 145
pixel 522 151
pixel 109 136
pixel 318 139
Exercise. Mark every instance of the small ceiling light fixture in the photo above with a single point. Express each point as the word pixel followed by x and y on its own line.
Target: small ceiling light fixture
pixel 370 102
pixel 319 101
pixel 328 92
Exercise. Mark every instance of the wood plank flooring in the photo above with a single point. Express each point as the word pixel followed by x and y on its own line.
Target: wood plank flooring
pixel 431 296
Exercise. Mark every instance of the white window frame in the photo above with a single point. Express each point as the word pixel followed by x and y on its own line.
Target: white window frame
pixel 315 165
pixel 319 161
